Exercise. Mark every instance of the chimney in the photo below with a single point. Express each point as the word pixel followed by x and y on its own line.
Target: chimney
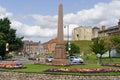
pixel 103 27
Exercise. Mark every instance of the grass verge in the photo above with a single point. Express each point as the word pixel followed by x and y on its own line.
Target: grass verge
pixel 32 68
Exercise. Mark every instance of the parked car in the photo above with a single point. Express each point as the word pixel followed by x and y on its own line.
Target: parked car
pixel 75 59
pixel 49 58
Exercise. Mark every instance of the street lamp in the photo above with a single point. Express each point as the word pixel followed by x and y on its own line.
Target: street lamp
pixel 7 46
pixel 98 56
pixel 69 47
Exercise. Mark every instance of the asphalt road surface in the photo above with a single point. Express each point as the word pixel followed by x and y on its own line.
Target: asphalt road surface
pixel 18 59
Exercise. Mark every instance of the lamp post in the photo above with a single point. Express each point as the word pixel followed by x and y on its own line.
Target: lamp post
pixel 7 47
pixel 69 48
pixel 98 56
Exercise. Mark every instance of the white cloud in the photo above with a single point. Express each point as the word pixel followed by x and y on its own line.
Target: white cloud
pixel 45 21
pixel 4 13
pixel 32 31
pixel 46 26
pixel 49 25
pixel 100 14
pixel 29 32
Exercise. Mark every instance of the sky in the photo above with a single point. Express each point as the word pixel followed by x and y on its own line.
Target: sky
pixel 36 20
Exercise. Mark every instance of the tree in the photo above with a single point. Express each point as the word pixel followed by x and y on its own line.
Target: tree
pixel 1 39
pixel 118 48
pixel 109 45
pixel 8 35
pixel 116 42
pixel 98 46
pixel 74 49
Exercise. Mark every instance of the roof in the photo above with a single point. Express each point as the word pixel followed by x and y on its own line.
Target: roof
pixel 53 41
pixel 110 28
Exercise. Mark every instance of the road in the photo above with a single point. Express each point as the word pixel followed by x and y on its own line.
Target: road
pixel 19 59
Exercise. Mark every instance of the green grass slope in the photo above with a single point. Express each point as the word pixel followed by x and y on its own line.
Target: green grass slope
pixel 83 44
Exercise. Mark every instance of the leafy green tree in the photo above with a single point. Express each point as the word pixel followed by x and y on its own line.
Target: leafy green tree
pixel 1 39
pixel 8 35
pixel 98 46
pixel 116 42
pixel 94 46
pixel 109 45
pixel 118 48
pixel 74 49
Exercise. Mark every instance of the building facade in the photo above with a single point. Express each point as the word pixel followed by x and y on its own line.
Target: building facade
pixel 95 31
pixel 49 47
pixel 112 31
pixel 30 47
pixel 88 33
pixel 82 33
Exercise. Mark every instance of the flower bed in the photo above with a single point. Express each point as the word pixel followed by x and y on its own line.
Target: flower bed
pixel 11 66
pixel 114 65
pixel 78 70
pixel 50 64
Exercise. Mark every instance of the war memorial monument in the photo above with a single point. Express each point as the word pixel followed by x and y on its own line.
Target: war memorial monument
pixel 60 56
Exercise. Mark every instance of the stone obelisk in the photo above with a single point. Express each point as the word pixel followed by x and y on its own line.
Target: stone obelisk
pixel 60 55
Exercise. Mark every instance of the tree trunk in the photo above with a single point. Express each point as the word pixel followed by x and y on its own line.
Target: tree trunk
pixel 110 55
pixel 100 59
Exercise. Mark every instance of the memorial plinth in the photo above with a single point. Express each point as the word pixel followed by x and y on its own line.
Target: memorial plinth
pixel 60 55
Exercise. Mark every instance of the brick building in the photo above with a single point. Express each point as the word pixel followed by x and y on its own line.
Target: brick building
pixel 49 47
pixel 30 47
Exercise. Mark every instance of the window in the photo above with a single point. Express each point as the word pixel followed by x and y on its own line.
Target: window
pixel 77 35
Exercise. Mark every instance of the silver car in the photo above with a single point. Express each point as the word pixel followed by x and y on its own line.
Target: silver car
pixel 49 58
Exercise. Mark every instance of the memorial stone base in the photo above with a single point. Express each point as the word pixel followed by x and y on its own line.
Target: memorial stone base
pixel 60 62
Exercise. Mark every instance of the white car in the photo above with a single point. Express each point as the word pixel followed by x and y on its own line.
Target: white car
pixel 75 59
pixel 49 58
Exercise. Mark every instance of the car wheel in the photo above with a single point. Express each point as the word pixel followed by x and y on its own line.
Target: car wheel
pixel 47 60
